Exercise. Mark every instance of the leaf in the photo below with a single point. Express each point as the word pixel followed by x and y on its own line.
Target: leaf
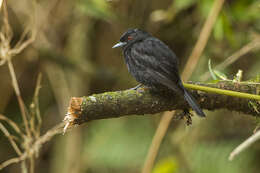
pixel 220 75
pixel 211 71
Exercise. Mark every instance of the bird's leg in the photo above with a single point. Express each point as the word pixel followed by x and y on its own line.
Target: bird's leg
pixel 136 87
pixel 186 115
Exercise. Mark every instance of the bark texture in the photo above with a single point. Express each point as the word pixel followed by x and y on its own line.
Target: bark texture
pixel 144 101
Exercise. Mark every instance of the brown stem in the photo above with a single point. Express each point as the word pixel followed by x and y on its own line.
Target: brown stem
pixel 18 95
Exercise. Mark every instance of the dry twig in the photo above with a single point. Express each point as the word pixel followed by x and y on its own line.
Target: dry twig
pixel 12 124
pixel 254 44
pixel 247 143
pixel 6 54
pixel 10 138
pixel 35 146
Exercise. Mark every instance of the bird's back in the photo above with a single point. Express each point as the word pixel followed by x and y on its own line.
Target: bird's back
pixel 150 59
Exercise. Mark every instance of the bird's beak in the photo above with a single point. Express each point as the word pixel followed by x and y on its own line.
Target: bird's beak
pixel 120 44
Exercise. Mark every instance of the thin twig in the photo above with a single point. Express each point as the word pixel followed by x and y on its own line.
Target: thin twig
pixel 5 36
pixel 22 37
pixel 36 145
pixel 11 123
pixel 203 39
pixel 24 168
pixel 247 143
pixel 18 95
pixel 23 45
pixel 32 164
pixel 7 134
pixel 13 160
pixel 6 54
pixel 244 50
pixel 255 44
pixel 31 31
pixel 7 30
pixel 223 92
pixel 35 110
pixel 241 82
pixel 157 139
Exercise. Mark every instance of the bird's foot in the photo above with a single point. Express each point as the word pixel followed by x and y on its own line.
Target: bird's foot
pixel 136 87
pixel 186 115
pixel 140 88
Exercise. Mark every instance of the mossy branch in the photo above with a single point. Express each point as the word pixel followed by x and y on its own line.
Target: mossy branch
pixel 144 101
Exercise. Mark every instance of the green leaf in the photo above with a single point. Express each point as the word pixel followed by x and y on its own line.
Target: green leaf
pixel 211 71
pixel 220 75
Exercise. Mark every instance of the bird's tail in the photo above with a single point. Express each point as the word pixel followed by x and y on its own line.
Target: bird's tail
pixel 193 103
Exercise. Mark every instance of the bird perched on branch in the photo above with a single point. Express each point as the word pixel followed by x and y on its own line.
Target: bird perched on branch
pixel 153 64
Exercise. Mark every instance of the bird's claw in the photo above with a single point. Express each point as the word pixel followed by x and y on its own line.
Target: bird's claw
pixel 136 87
pixel 140 88
pixel 186 115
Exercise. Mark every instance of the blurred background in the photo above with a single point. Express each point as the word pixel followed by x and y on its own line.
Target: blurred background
pixel 73 52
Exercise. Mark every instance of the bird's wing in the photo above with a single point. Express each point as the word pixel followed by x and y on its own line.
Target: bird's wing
pixel 165 81
pixel 159 61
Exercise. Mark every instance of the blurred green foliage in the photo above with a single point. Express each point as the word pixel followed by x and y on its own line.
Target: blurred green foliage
pixel 167 165
pixel 99 9
pixel 210 157
pixel 115 143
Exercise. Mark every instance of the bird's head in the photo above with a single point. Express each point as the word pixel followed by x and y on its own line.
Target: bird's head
pixel 131 36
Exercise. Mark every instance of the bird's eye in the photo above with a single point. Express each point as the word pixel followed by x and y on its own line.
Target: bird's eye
pixel 129 37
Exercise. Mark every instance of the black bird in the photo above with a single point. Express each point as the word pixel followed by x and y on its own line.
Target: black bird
pixel 153 64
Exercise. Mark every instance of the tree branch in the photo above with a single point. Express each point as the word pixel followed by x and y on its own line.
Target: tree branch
pixel 144 101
